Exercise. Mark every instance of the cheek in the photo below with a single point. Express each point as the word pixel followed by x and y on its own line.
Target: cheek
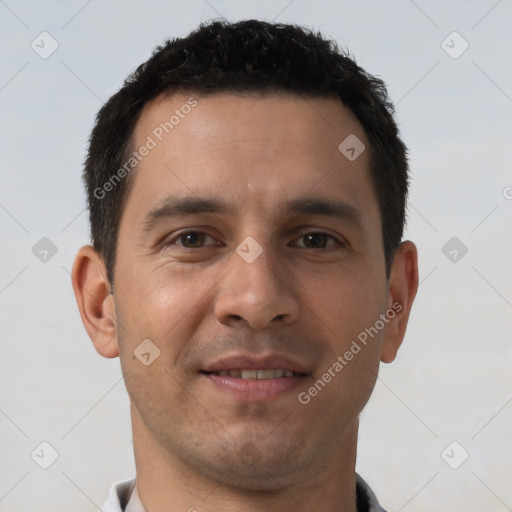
pixel 166 311
pixel 164 305
pixel 349 306
pixel 345 312
pixel 345 303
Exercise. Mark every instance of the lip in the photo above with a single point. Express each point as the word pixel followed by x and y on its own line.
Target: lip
pixel 254 390
pixel 247 362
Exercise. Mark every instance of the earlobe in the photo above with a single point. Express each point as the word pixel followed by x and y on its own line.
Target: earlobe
pixel 95 303
pixel 403 285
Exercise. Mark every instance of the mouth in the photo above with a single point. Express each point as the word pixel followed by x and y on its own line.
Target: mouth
pixel 261 374
pixel 255 378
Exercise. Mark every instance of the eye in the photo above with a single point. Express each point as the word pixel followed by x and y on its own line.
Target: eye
pixel 317 240
pixel 193 240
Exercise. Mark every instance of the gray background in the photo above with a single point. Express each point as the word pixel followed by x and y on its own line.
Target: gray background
pixel 452 379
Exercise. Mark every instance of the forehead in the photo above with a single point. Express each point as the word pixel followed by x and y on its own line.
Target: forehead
pixel 249 149
pixel 209 121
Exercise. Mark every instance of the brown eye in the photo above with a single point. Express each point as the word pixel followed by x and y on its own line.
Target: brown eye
pixel 317 240
pixel 193 240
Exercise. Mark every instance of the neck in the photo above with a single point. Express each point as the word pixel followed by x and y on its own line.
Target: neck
pixel 167 483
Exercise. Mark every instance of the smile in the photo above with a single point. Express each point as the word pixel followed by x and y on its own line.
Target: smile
pixel 263 374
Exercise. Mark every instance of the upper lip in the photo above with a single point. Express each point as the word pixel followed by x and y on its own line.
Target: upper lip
pixel 253 362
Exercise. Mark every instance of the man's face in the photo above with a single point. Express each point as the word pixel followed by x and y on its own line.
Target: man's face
pixel 249 242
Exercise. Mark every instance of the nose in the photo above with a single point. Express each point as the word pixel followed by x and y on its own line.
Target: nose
pixel 256 293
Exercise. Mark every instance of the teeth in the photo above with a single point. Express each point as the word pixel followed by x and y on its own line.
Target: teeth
pixel 264 374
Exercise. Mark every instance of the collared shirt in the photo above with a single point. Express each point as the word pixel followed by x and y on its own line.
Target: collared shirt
pixel 123 497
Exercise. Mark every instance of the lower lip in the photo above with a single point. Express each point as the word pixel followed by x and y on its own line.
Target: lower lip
pixel 254 390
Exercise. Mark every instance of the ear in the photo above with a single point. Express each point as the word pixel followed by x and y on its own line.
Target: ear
pixel 95 303
pixel 402 288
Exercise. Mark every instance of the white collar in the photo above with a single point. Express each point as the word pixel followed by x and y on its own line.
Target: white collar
pixel 134 505
pixel 123 497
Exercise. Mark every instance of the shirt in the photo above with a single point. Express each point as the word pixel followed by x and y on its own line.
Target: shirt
pixel 123 497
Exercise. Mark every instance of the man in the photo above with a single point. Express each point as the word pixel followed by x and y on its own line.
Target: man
pixel 247 190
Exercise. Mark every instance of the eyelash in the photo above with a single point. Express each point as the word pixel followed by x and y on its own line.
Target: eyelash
pixel 183 233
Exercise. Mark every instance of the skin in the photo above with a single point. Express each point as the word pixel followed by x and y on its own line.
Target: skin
pixel 195 445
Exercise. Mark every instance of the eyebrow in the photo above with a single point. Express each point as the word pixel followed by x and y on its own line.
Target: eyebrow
pixel 325 207
pixel 173 206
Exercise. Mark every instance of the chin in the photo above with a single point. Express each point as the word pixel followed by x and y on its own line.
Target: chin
pixel 257 468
